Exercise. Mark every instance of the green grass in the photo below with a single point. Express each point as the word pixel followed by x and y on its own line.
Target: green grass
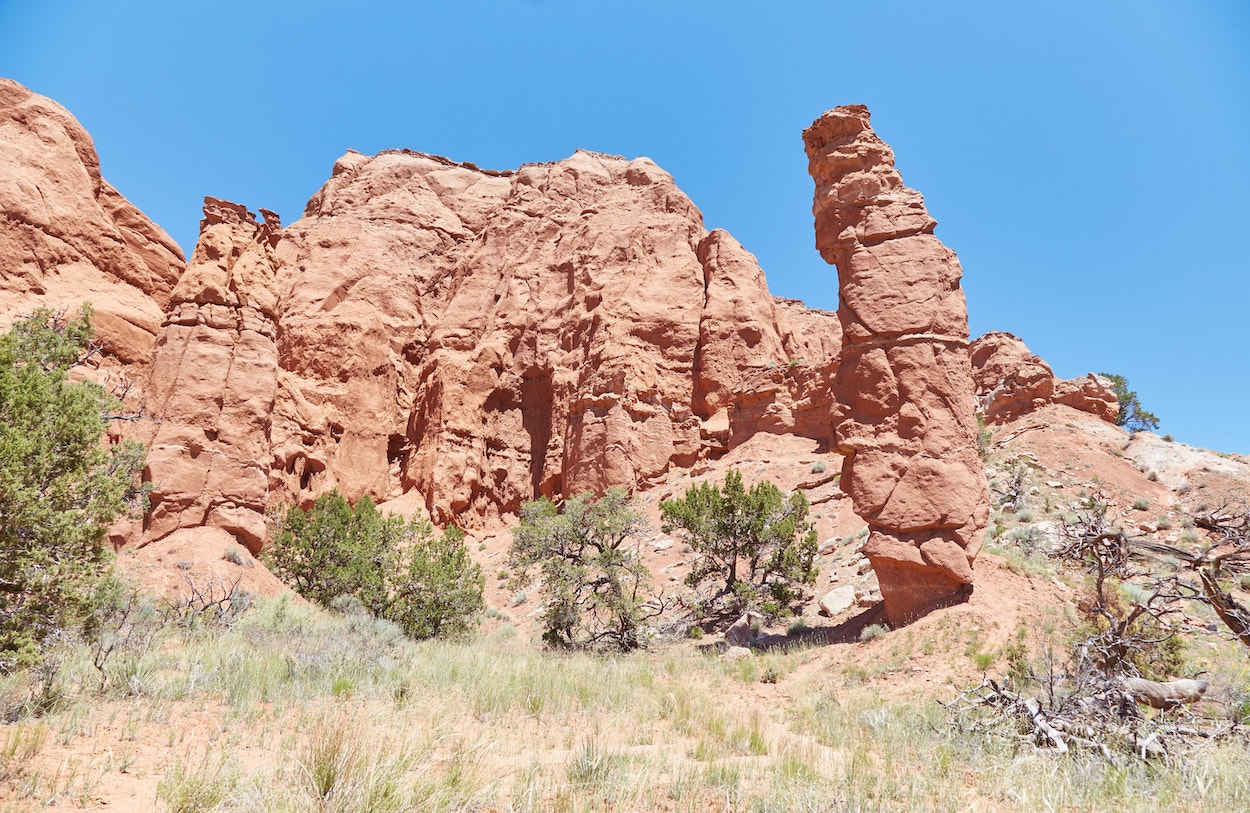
pixel 294 708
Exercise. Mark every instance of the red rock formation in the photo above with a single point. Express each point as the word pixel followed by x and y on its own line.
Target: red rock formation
pixel 904 414
pixel 1010 382
pixel 792 399
pixel 67 236
pixel 477 337
pixel 1092 393
pixel 213 382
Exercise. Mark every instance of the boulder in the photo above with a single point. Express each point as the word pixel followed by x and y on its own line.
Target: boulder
pixel 837 600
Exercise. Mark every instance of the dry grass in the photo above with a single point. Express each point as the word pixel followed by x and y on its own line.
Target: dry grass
pixel 296 709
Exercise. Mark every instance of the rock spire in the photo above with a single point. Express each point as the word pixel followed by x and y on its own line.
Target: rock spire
pixel 904 408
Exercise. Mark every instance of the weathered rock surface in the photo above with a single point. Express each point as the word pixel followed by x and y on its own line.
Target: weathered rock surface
pixel 213 382
pixel 904 413
pixel 1093 394
pixel 1011 381
pixel 478 337
pixel 68 237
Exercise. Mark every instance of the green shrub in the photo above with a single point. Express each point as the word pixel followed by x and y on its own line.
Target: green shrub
pixel 985 440
pixel 60 487
pixel 873 631
pixel 399 571
pixel 598 590
pixel 757 543
pixel 1141 504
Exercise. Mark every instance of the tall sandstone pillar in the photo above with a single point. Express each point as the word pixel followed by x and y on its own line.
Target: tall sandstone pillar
pixel 903 412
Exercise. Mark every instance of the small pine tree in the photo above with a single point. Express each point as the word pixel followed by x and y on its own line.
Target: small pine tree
pixel 757 543
pixel 60 485
pixel 598 589
pixel 396 570
pixel 1132 416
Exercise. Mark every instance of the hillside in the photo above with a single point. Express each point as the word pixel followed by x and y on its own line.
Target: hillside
pixel 453 342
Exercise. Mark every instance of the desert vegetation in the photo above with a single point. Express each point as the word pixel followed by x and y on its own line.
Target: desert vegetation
pixel 754 545
pixel 337 554
pixel 60 486
pixel 597 589
pixel 295 707
pixel 386 687
pixel 1133 416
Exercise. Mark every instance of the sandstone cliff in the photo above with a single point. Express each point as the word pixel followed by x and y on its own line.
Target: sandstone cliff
pixel 477 337
pixel 68 237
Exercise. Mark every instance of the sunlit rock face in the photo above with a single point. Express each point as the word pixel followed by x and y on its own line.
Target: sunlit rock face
pixel 904 407
pixel 477 337
pixel 68 237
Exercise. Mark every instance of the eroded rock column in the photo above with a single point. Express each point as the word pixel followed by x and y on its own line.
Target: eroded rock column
pixel 212 382
pixel 904 409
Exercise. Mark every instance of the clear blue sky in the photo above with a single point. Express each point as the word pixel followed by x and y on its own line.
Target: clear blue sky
pixel 1089 161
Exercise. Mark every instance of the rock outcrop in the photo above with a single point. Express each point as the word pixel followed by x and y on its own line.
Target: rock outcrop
pixel 477 337
pixel 68 237
pixel 1011 381
pixel 213 382
pixel 904 413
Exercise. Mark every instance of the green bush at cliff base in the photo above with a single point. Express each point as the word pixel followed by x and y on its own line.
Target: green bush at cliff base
pixel 757 543
pixel 61 485
pixel 598 590
pixel 396 570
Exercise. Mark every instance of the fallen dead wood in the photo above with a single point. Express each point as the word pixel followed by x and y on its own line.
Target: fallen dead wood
pixel 1231 612
pixel 1034 710
pixel 1165 695
pixel 1099 716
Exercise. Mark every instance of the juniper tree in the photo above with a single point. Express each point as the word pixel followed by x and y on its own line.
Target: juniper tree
pixel 397 570
pixel 598 589
pixel 756 543
pixel 61 483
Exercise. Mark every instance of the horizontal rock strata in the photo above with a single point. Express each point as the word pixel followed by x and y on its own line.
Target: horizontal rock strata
pixel 904 412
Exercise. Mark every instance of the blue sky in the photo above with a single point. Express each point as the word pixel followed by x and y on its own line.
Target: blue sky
pixel 1089 162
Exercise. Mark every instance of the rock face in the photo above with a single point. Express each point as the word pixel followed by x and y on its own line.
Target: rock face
pixel 213 382
pixel 1010 382
pixel 476 337
pixel 68 237
pixel 904 413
